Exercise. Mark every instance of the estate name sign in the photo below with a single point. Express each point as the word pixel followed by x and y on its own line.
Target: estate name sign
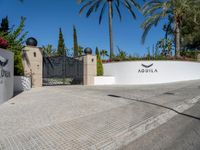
pixel 3 72
pixel 147 69
pixel 6 75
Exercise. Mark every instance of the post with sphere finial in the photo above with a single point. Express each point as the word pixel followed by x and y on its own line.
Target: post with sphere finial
pixel 33 61
pixel 89 67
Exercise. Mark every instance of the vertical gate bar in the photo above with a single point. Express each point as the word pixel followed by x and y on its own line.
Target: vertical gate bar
pixel 65 68
pixel 43 71
pixel 63 64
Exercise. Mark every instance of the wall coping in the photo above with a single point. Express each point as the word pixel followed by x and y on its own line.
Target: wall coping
pixel 152 61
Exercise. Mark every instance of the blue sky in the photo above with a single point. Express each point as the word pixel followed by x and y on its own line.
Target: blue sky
pixel 45 17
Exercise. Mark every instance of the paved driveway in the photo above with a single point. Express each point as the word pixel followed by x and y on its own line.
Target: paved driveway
pixel 78 117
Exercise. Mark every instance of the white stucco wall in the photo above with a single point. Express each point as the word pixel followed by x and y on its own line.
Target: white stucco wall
pixel 152 72
pixel 6 75
pixel 104 80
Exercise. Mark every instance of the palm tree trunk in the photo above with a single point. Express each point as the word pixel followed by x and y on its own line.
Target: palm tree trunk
pixel 178 40
pixel 110 29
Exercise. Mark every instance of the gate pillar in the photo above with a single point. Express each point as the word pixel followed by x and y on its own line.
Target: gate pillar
pixel 89 69
pixel 32 62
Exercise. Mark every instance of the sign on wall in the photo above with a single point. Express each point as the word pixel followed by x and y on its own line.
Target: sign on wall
pixel 147 68
pixel 6 75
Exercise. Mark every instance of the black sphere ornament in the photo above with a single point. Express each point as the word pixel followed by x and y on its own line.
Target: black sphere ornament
pixel 31 42
pixel 88 51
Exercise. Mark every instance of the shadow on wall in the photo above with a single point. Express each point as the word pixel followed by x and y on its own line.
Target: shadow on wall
pixel 17 93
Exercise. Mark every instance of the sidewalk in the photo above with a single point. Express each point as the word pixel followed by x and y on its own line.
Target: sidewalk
pixel 79 117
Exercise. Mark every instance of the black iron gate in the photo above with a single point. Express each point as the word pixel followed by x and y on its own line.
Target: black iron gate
pixel 59 70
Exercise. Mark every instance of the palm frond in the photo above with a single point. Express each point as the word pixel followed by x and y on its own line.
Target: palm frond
pixel 136 4
pixel 90 10
pixel 128 6
pixel 102 12
pixel 111 7
pixel 85 6
pixel 118 11
pixel 149 10
pixel 97 5
pixel 149 23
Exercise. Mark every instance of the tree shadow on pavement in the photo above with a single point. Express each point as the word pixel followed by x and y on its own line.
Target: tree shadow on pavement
pixel 154 104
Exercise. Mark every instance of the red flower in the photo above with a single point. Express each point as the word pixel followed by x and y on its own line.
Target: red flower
pixel 107 61
pixel 3 43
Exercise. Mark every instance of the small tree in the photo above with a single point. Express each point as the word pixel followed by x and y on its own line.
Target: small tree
pixel 15 39
pixel 4 25
pixel 76 47
pixel 61 44
pixel 80 50
pixel 48 50
pixel 99 63
pixel 104 53
pixel 121 55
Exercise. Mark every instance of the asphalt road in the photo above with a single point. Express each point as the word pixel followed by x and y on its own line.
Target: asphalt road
pixel 180 133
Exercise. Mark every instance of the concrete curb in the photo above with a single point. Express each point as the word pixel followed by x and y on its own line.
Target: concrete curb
pixel 138 130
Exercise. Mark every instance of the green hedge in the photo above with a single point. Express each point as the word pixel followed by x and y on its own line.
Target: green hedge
pixel 18 66
pixel 99 64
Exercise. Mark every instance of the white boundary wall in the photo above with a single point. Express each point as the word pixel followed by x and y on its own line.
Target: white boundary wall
pixel 6 75
pixel 152 72
pixel 104 80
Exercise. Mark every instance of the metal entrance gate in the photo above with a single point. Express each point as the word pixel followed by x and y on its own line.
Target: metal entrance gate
pixel 59 70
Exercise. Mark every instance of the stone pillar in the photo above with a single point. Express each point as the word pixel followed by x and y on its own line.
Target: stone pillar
pixel 198 57
pixel 89 69
pixel 33 64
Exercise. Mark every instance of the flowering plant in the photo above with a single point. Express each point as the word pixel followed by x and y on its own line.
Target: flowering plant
pixel 3 43
pixel 107 61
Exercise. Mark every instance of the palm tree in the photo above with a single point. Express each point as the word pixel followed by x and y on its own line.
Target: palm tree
pixel 156 10
pixel 104 53
pixel 48 50
pixel 94 5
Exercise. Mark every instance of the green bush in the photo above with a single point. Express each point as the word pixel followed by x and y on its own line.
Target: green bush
pixel 189 54
pixel 18 66
pixel 99 64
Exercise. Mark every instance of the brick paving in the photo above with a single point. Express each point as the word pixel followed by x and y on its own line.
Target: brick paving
pixel 59 118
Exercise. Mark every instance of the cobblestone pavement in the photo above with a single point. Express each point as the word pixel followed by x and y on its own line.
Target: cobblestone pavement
pixel 77 117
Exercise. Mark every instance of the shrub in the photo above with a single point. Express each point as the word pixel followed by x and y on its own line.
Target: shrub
pixel 99 64
pixel 18 66
pixel 189 54
pixel 121 55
